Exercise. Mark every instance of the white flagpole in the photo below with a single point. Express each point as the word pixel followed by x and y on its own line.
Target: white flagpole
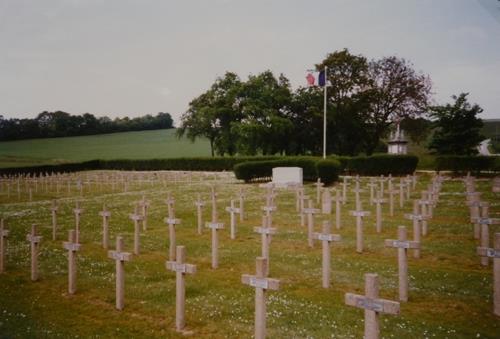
pixel 324 113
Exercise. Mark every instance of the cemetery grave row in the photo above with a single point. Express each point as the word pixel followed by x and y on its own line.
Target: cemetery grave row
pixel 209 226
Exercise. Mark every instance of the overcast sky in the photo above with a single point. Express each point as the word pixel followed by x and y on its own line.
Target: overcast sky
pixel 133 57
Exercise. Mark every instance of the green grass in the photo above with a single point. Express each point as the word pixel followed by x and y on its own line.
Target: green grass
pixel 450 293
pixel 128 145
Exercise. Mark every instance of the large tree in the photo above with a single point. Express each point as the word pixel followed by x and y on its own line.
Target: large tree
pixel 457 127
pixel 348 77
pixel 211 115
pixel 395 91
pixel 264 102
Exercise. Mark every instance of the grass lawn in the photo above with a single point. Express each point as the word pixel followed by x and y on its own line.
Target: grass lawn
pixel 450 293
pixel 127 145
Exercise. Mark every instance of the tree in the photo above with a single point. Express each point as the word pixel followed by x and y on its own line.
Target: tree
pixel 348 77
pixel 457 127
pixel 264 103
pixel 418 129
pixel 211 114
pixel 394 91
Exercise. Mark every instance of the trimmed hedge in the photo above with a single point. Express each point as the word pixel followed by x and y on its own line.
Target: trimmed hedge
pixel 179 164
pixel 328 170
pixel 263 170
pixel 460 164
pixel 382 164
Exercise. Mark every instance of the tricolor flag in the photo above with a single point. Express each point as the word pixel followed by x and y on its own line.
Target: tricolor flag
pixel 316 78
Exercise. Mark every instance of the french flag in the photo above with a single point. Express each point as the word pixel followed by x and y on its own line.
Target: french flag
pixel 316 78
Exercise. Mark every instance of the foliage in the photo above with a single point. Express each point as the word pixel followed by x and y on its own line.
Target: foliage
pixel 328 170
pixel 457 127
pixel 263 170
pixel 418 129
pixel 382 164
pixel 176 164
pixel 461 164
pixel 262 115
pixel 212 114
pixel 62 124
pixel 396 91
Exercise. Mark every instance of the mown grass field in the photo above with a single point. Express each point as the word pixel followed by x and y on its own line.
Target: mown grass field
pixel 450 293
pixel 128 145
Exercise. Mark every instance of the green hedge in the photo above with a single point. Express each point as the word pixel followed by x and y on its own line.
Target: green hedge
pixel 328 170
pixel 382 164
pixel 461 164
pixel 180 164
pixel 263 170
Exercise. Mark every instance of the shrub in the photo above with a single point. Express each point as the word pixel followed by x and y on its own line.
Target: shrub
pixel 382 164
pixel 328 170
pixel 179 164
pixel 460 164
pixel 263 170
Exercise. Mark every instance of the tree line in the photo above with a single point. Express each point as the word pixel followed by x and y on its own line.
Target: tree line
pixel 62 124
pixel 263 115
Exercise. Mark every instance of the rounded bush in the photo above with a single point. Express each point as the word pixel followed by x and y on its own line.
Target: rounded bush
pixel 328 170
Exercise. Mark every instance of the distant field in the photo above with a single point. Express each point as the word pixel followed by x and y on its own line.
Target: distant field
pixel 129 145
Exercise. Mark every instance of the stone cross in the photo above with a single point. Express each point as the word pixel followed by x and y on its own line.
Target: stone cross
pixel 261 284
pixel 408 181
pixel 494 253
pixel 310 211
pixel 170 201
pixel 401 189
pixel 372 185
pixel 299 192
pixel 391 192
pixel 357 190
pixel 3 245
pixel 171 221
pixel 344 190
pixel 359 214
pixel 53 210
pixel 303 199
pixel 318 185
pixel 78 211
pixel 474 209
pixel 372 305
pixel 424 204
pixel 326 238
pixel 326 202
pixel 417 219
pixel 213 196
pixel 181 269
pixel 241 197
pixel 199 205
pixel 338 211
pixel 378 208
pixel 269 210
pixel 105 214
pixel 72 246
pixel 215 226
pixel 136 217
pixel 485 222
pixel 266 231
pixel 120 257
pixel 402 244
pixel 382 181
pixel 232 211
pixel 144 204
pixel 34 241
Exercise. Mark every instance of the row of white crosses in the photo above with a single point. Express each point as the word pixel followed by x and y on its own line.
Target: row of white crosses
pixel 479 213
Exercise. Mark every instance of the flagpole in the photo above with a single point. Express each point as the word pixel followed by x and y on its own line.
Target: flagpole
pixel 324 113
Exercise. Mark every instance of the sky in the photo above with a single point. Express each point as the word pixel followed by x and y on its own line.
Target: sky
pixel 137 57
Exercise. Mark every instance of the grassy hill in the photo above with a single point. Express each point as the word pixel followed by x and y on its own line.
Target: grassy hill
pixel 129 145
